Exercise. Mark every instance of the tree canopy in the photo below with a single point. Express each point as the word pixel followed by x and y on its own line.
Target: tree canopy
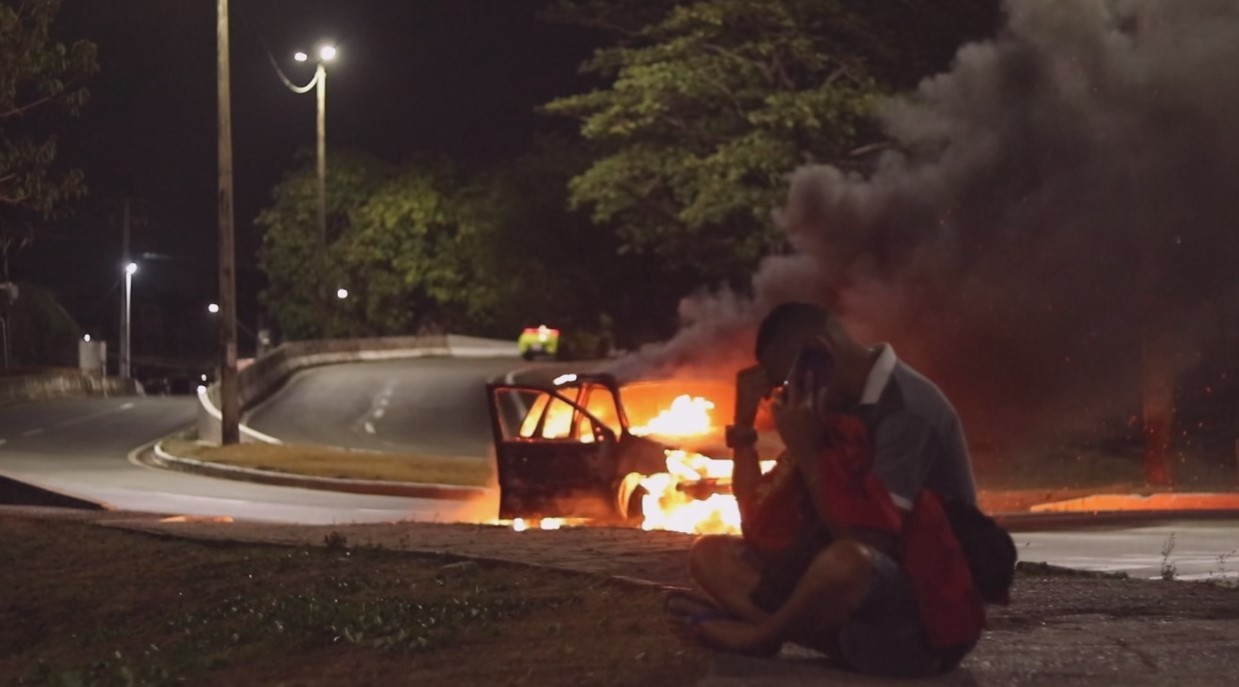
pixel 708 105
pixel 39 75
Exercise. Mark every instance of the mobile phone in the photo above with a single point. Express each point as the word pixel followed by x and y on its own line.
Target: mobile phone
pixel 813 359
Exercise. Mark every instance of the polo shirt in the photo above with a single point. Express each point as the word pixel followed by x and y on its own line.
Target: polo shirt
pixel 917 436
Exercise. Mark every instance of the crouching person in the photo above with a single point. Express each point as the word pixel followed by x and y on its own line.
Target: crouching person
pixel 864 542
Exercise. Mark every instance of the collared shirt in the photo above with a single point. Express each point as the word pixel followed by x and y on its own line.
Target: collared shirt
pixel 918 439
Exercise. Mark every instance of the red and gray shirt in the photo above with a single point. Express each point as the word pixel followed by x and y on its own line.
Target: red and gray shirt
pixel 918 442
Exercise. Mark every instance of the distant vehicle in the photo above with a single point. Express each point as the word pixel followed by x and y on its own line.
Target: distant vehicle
pixel 540 340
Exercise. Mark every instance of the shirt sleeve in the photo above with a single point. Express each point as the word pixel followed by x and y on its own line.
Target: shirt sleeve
pixel 902 455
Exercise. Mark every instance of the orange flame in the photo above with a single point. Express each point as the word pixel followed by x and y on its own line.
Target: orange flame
pixel 670 502
pixel 688 416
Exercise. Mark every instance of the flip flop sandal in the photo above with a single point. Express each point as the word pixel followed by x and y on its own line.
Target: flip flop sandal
pixel 687 597
pixel 695 620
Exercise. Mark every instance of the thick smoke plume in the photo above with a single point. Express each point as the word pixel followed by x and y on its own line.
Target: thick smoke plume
pixel 1062 202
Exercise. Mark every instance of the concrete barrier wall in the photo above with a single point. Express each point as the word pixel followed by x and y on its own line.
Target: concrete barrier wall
pixel 46 385
pixel 267 374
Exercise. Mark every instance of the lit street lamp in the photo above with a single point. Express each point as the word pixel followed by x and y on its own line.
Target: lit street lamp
pixel 326 53
pixel 341 293
pixel 130 270
pixel 213 308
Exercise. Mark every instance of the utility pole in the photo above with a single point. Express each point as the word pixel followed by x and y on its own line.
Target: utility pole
pixel 228 400
pixel 123 366
pixel 321 77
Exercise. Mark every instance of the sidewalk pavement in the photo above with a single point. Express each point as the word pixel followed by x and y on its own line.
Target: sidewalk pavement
pixel 1061 629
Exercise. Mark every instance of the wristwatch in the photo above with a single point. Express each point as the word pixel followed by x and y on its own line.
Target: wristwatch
pixel 740 436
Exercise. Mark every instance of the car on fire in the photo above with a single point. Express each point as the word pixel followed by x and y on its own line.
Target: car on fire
pixel 586 447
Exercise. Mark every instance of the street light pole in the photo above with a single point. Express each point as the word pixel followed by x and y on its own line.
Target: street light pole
pixel 320 75
pixel 230 432
pixel 126 317
pixel 326 53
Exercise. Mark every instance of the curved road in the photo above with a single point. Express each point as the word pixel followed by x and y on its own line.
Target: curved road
pixel 81 447
pixel 425 405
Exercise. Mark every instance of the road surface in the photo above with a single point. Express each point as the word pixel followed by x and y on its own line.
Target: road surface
pixel 1194 549
pixel 81 447
pixel 424 405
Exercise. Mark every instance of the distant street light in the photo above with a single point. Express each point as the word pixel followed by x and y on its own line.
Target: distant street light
pixel 341 293
pixel 86 338
pixel 213 308
pixel 130 270
pixel 326 53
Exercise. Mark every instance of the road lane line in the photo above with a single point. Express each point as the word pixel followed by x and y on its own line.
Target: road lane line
pixel 92 416
pixel 369 428
pixel 378 414
pixel 32 432
pixel 3 442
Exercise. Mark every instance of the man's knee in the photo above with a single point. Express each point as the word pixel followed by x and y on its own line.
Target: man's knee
pixel 845 565
pixel 708 554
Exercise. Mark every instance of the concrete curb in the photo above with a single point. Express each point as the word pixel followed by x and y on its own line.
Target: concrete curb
pixel 1049 522
pixel 158 457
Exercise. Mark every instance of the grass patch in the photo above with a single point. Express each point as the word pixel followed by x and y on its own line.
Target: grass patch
pixel 322 461
pixel 92 606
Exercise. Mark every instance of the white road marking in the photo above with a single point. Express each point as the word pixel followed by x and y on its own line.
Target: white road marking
pixel 369 428
pixel 379 413
pixel 383 401
pixel 32 432
pixel 3 442
pixel 127 406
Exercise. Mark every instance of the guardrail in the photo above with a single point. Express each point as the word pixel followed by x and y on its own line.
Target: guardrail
pixel 267 374
pixel 44 385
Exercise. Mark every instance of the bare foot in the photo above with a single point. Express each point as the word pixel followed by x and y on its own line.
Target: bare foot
pixel 735 636
pixel 684 602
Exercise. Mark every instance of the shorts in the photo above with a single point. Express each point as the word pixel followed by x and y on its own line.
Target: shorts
pixel 885 636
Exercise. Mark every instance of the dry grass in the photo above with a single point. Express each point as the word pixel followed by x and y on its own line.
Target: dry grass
pixel 86 605
pixel 322 461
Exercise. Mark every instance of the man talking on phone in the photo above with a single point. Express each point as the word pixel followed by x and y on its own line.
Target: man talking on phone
pixel 824 561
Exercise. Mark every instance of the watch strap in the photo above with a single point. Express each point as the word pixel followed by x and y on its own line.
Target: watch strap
pixel 740 436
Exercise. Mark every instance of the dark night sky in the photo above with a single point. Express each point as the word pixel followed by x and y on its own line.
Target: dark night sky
pixel 459 77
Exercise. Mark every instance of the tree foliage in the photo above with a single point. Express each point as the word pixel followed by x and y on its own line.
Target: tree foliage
pixel 37 74
pixel 710 104
pixel 422 246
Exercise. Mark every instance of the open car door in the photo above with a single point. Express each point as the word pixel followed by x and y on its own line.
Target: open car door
pixel 555 457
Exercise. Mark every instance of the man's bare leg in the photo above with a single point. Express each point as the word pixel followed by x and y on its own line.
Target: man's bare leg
pixel 823 600
pixel 718 566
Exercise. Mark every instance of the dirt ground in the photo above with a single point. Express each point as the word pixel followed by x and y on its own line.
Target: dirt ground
pixel 84 605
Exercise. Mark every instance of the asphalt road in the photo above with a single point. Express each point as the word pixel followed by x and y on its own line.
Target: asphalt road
pixel 1193 549
pixel 425 405
pixel 80 447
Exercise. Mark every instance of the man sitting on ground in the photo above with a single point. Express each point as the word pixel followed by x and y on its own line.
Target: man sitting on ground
pixel 826 554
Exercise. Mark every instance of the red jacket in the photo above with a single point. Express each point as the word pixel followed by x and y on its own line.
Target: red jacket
pixel 782 513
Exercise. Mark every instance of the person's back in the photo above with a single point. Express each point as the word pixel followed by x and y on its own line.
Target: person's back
pixel 919 440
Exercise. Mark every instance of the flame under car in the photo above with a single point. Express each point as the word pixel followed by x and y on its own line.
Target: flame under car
pixel 579 448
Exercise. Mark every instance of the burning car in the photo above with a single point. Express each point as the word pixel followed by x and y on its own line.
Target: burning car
pixel 644 453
